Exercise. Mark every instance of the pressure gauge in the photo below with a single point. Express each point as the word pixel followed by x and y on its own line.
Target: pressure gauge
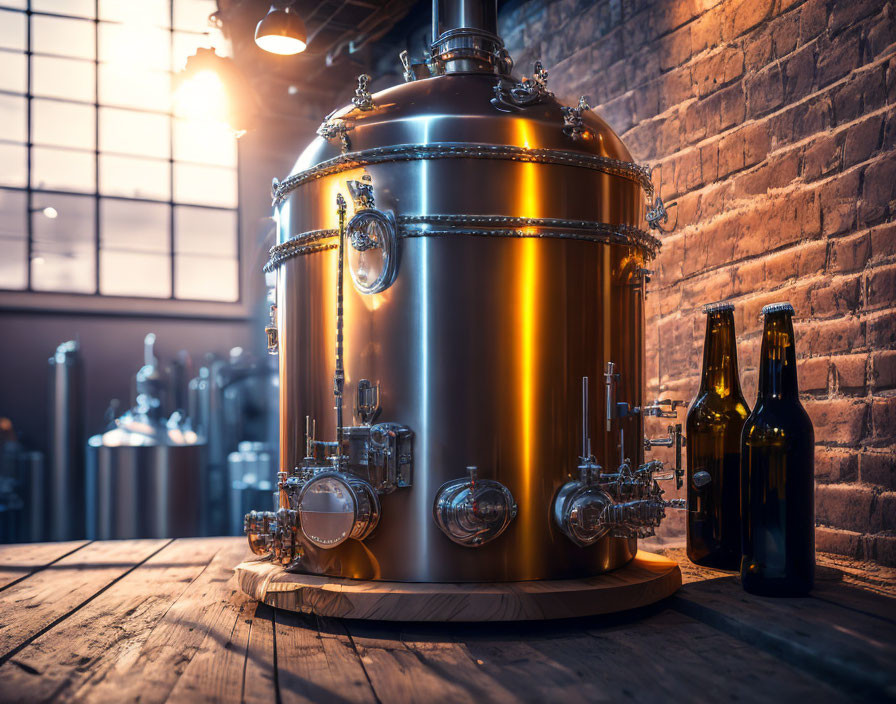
pixel 473 511
pixel 334 507
pixel 579 512
pixel 373 250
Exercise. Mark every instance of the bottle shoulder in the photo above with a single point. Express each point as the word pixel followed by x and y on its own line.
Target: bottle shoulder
pixel 712 408
pixel 779 415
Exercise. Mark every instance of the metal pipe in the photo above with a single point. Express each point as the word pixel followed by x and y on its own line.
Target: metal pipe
pixel 464 14
pixel 66 443
pixel 339 376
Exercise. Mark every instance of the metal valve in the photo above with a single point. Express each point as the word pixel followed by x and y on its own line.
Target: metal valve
pixel 677 440
pixel 473 511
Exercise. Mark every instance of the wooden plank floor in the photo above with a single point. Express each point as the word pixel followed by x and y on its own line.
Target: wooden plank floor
pixel 154 621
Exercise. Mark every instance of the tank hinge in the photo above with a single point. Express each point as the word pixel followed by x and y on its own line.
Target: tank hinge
pixel 363 100
pixel 528 91
pixel 573 124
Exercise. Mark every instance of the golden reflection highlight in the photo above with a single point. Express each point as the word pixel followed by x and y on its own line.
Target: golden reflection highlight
pixel 527 324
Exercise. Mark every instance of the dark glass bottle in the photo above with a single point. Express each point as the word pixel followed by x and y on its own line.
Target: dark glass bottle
pixel 778 472
pixel 714 424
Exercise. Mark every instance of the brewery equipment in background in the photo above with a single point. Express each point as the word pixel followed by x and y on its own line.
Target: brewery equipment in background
pixel 778 471
pixel 66 477
pixel 497 244
pixel 714 424
pixel 146 474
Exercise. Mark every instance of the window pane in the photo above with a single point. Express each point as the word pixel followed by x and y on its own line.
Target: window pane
pixel 205 185
pixel 135 46
pixel 120 85
pixel 129 132
pixel 63 37
pixel 205 278
pixel 14 158
pixel 13 30
pixel 63 169
pixel 192 15
pixel 135 274
pixel 13 71
pixel 135 226
pixel 13 118
pixel 134 178
pixel 13 240
pixel 63 124
pixel 63 78
pixel 64 246
pixel 204 142
pixel 151 12
pixel 78 8
pixel 205 231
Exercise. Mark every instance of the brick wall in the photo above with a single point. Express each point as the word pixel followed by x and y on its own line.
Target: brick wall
pixel 774 124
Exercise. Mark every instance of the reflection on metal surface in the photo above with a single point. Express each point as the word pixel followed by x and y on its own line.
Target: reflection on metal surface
pixel 473 511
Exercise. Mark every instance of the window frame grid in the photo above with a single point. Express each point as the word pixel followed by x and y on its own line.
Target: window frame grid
pixel 30 191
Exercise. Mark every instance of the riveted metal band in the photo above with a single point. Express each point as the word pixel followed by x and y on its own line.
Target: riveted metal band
pixel 479 226
pixel 465 150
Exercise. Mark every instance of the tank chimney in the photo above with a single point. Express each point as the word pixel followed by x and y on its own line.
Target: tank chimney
pixel 465 37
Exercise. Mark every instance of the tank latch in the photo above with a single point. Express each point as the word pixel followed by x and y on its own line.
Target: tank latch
pixel 473 511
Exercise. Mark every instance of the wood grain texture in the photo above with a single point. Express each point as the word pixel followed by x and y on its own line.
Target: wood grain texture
pixel 54 593
pixel 176 626
pixel 19 561
pixel 645 580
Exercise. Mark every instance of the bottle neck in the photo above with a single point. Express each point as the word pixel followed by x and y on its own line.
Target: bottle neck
pixel 720 375
pixel 777 362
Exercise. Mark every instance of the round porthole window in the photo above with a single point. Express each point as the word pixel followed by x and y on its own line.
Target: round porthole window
pixel 372 250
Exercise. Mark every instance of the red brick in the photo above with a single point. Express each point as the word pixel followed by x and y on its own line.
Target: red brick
pixel 883 370
pixel 882 549
pixel 862 140
pixel 743 15
pixel 850 253
pixel 813 20
pixel 881 331
pixel 801 261
pixel 718 69
pixel 850 372
pixel 785 31
pixel 883 241
pixel 878 468
pixel 838 58
pixel 757 142
pixel 673 89
pixel 814 374
pixel 838 421
pixel 840 542
pixel 758 50
pixel 835 466
pixel 836 296
pixel 883 419
pixel 847 14
pixel 879 195
pixel 705 31
pixel 731 153
pixel 838 203
pixel 820 337
pixel 882 287
pixel 810 117
pixel 765 91
pixel 844 506
pixel 799 73
pixel 821 157
pixel 881 34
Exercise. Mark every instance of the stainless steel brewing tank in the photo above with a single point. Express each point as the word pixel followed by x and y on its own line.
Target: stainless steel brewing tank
pixel 520 271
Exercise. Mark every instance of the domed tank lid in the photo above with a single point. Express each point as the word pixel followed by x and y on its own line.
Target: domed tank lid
pixel 469 106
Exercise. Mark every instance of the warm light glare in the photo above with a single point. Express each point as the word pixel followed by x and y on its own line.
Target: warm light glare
pixel 278 44
pixel 202 97
pixel 50 212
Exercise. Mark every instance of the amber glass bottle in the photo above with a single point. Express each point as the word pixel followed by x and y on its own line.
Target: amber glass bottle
pixel 714 424
pixel 778 471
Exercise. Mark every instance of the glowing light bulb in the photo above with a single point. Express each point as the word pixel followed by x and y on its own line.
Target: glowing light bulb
pixel 202 97
pixel 278 44
pixel 50 212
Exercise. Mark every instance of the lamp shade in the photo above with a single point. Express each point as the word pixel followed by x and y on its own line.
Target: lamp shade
pixel 281 32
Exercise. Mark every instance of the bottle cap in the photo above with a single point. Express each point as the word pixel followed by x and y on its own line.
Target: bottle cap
pixel 782 307
pixel 717 307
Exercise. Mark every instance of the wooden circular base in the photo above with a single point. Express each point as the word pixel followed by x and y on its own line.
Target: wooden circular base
pixel 645 580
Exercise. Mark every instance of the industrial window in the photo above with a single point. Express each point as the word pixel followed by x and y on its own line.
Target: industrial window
pixel 104 189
